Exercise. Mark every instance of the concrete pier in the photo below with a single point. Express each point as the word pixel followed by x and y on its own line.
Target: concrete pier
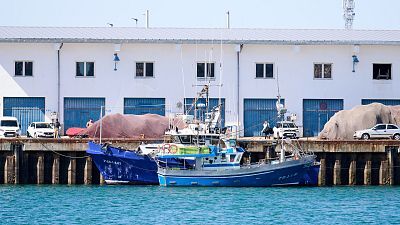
pixel 64 161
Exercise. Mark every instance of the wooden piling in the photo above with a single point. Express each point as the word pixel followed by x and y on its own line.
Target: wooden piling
pixel 102 181
pixel 40 169
pixel 336 173
pixel 17 155
pixel 322 173
pixel 390 175
pixel 383 173
pixel 55 172
pixel 72 171
pixel 352 172
pixel 367 172
pixel 88 171
pixel 9 171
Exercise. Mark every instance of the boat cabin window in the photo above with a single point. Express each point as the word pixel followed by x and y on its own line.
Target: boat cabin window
pixel 185 139
pixel 192 139
pixel 200 138
pixel 232 158
pixel 223 156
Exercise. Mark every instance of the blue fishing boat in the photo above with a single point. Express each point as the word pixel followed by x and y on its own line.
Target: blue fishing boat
pixel 221 166
pixel 122 166
pixel 138 166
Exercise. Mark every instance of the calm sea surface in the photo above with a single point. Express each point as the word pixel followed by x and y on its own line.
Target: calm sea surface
pixel 30 204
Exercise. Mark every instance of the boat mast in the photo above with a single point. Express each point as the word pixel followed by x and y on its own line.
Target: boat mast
pixel 101 121
pixel 281 115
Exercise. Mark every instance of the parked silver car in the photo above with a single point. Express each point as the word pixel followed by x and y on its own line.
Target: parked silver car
pixel 379 131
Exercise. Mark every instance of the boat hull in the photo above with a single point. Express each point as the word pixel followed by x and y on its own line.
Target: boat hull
pixel 293 172
pixel 118 166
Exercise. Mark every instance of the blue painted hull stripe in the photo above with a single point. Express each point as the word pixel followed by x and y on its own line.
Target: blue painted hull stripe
pixel 219 177
pixel 221 165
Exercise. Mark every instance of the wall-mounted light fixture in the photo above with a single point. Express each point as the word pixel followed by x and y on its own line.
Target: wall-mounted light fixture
pixel 355 61
pixel 116 60
pixel 117 48
pixel 356 51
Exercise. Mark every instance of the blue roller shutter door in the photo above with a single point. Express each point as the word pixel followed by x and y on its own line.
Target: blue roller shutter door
pixel 200 113
pixel 141 106
pixel 317 112
pixel 77 111
pixel 256 111
pixel 25 109
pixel 383 101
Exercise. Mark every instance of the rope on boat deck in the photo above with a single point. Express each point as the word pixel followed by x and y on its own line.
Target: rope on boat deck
pixel 66 156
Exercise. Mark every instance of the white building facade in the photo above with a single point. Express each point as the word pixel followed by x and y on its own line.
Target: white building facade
pixel 71 71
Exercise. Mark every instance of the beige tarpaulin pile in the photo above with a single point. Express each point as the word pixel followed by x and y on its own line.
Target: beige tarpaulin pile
pixel 131 126
pixel 344 123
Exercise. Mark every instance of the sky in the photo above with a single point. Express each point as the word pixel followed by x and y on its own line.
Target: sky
pixel 291 14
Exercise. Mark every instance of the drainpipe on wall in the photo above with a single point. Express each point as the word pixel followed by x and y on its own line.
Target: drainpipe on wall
pixel 58 47
pixel 238 49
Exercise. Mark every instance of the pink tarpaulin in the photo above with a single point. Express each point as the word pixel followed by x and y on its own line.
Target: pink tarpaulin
pixel 75 131
pixel 130 126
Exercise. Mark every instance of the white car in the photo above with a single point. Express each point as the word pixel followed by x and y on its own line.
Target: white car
pixel 286 129
pixel 9 127
pixel 40 129
pixel 379 131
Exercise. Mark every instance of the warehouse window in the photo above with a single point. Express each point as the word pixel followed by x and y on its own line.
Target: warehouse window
pixel 85 69
pixel 264 70
pixel 23 68
pixel 322 70
pixel 205 70
pixel 382 71
pixel 144 69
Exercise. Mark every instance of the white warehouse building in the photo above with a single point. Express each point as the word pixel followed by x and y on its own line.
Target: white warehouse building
pixel 75 72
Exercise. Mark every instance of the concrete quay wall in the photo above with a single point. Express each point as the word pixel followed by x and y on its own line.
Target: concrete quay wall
pixel 64 161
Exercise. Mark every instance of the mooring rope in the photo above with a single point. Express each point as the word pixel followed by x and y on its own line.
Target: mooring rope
pixel 66 156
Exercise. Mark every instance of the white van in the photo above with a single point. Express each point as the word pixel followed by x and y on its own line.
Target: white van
pixel 9 127
pixel 286 129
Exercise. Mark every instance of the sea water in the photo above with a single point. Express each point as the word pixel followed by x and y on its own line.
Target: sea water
pixel 53 204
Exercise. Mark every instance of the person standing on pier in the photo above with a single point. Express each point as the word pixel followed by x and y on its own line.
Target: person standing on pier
pixel 265 129
pixel 57 126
